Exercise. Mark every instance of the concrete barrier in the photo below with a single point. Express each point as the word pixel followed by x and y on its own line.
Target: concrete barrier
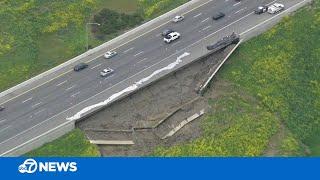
pixel 183 123
pixel 103 142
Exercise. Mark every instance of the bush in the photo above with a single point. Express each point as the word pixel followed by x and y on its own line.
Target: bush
pixel 112 21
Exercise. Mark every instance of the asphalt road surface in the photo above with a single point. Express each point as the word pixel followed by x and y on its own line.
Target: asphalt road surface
pixel 40 104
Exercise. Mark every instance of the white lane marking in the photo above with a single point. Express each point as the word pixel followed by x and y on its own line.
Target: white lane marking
pixel 128 50
pixel 269 18
pixel 107 78
pixel 36 105
pixel 39 111
pixel 205 20
pixel 112 49
pixel 129 88
pixel 142 60
pixel 3 129
pixel 70 88
pixel 63 124
pixel 26 100
pixel 74 95
pixel 240 10
pixel 206 28
pixel 138 54
pixel 2 120
pixel 61 83
pixel 237 3
pixel 96 66
pixel 197 15
pixel 149 66
pixel 176 43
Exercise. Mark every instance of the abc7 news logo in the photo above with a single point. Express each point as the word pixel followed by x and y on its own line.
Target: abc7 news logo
pixel 29 166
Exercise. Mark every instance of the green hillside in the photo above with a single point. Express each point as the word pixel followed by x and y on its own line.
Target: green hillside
pixel 272 96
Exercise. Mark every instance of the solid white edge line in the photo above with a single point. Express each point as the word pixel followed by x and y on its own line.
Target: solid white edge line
pixel 112 50
pixel 124 79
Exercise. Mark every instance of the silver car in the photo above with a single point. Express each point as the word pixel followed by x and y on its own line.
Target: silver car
pixel 177 19
pixel 110 54
pixel 106 72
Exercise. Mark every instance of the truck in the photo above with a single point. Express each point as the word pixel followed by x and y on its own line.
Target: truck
pixel 275 8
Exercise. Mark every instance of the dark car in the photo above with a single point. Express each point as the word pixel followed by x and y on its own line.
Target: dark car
pixel 218 15
pixel 261 9
pixel 80 66
pixel 166 32
pixel 1 108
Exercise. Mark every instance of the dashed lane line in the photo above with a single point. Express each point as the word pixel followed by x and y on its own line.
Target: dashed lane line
pixel 3 129
pixel 39 111
pixel 61 83
pixel 138 54
pixel 70 88
pixel 75 94
pixel 26 100
pixel 205 20
pixel 62 74
pixel 35 105
pixel 197 15
pixel 96 66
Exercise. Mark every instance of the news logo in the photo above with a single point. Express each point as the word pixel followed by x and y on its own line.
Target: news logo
pixel 30 166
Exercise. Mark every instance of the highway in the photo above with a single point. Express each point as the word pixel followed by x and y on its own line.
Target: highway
pixel 66 91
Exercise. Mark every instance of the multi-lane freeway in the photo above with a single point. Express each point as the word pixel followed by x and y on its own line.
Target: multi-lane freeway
pixel 70 92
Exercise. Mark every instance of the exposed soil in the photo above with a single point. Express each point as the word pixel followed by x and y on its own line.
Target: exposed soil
pixel 149 114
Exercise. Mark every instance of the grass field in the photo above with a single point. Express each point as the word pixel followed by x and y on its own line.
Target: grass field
pixel 71 144
pixel 38 35
pixel 280 71
pixel 124 6
pixel 271 93
pixel 35 38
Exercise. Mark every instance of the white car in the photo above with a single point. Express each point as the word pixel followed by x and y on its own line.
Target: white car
pixel 275 8
pixel 106 72
pixel 177 19
pixel 110 54
pixel 171 37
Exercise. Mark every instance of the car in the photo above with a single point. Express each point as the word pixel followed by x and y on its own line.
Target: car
pixel 110 54
pixel 1 108
pixel 177 19
pixel 166 32
pixel 275 8
pixel 261 9
pixel 106 72
pixel 80 67
pixel 218 16
pixel 171 37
